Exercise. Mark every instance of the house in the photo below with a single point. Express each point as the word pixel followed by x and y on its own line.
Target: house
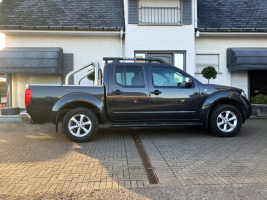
pixel 75 32
pixel 231 36
pixel 190 34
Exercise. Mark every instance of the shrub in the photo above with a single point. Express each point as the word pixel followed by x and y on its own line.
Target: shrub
pixel 259 99
pixel 209 73
pixel 91 77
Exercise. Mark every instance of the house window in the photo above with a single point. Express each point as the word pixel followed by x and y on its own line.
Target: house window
pixel 173 58
pixel 205 60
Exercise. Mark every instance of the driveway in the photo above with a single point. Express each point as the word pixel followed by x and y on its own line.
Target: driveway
pixel 35 159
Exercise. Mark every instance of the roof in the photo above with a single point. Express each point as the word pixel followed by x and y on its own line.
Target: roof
pixel 62 14
pixel 232 15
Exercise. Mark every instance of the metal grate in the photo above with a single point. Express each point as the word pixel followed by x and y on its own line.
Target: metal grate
pixel 159 15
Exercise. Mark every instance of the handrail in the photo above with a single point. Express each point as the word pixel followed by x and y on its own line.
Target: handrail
pixel 76 71
pixel 80 79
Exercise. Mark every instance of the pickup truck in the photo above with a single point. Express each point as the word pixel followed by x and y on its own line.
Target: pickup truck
pixel 144 93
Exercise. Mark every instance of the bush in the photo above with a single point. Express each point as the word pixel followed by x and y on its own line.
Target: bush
pixel 209 73
pixel 91 77
pixel 259 99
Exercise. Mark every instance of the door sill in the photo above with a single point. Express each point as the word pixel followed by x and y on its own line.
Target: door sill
pixel 153 124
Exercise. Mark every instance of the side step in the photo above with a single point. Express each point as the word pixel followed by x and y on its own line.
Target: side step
pixel 151 124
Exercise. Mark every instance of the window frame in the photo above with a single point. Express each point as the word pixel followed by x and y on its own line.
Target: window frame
pixel 130 86
pixel 164 52
pixel 208 54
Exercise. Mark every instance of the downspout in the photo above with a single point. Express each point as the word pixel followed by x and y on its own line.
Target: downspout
pixel 195 13
pixel 121 36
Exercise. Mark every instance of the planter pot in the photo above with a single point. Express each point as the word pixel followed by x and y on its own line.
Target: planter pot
pixel 259 110
pixel 10 111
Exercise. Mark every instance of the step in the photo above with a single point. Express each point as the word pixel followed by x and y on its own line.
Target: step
pixel 153 124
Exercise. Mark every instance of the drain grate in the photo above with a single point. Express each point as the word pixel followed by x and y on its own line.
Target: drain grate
pixel 151 175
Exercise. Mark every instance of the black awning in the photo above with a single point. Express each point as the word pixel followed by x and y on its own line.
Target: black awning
pixel 17 60
pixel 246 59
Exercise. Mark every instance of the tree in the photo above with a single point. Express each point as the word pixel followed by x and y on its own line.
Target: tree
pixel 209 73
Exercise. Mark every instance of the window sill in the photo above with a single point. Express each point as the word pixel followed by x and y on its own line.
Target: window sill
pixel 159 24
pixel 200 73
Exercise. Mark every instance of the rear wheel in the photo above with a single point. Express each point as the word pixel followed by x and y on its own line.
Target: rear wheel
pixel 80 124
pixel 225 121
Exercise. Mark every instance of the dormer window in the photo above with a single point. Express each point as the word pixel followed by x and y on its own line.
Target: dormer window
pixel 158 12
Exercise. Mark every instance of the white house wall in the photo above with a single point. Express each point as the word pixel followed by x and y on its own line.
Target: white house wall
pixel 218 45
pixel 160 38
pixel 85 49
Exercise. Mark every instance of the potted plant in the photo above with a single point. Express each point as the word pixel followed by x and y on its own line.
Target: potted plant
pixel 209 73
pixel 259 105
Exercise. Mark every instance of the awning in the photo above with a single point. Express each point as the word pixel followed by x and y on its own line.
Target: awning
pixel 16 60
pixel 246 59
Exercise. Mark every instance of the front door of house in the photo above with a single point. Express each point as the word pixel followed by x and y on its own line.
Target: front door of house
pixel 167 57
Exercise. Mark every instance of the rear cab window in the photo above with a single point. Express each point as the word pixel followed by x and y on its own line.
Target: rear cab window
pixel 129 75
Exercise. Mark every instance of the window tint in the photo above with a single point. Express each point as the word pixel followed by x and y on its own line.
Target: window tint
pixel 129 76
pixel 165 76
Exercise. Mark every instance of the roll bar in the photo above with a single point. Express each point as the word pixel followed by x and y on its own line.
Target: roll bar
pixel 96 68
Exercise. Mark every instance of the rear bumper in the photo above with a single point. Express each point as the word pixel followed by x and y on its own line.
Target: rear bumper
pixel 25 117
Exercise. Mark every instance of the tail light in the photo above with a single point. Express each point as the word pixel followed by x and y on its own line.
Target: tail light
pixel 28 97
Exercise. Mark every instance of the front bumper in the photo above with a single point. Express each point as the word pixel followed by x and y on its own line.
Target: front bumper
pixel 248 109
pixel 25 117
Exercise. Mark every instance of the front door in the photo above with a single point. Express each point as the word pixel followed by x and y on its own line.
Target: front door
pixel 167 57
pixel 169 98
pixel 128 93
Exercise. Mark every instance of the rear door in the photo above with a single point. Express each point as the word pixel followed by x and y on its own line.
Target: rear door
pixel 128 93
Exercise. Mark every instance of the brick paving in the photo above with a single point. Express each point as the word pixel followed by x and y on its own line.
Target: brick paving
pixel 35 159
pixel 192 156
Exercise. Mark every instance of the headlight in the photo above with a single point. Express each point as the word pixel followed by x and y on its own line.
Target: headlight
pixel 244 94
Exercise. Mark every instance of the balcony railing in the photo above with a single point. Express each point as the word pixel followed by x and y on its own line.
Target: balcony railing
pixel 160 15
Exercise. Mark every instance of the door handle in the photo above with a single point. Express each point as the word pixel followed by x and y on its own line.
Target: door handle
pixel 156 92
pixel 118 92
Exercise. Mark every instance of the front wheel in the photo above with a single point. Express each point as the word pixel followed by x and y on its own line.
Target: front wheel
pixel 225 121
pixel 80 125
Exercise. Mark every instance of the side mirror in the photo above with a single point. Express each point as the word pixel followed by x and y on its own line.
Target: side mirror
pixel 188 82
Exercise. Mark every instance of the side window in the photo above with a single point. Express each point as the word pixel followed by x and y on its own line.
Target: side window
pixel 165 76
pixel 129 75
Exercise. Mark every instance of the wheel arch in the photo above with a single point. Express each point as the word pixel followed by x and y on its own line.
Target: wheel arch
pixel 66 103
pixel 232 99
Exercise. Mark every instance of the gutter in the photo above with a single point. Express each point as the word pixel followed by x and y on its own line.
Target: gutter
pixel 78 28
pixel 231 32
pixel 60 30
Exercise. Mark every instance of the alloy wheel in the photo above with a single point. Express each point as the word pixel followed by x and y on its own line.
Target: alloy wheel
pixel 226 121
pixel 79 125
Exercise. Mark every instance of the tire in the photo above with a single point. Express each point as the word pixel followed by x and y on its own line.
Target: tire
pixel 73 119
pixel 10 111
pixel 224 126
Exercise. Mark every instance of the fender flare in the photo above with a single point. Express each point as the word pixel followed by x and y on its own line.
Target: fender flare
pixel 215 98
pixel 77 97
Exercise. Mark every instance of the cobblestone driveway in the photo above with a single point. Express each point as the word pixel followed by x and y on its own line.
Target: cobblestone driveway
pixel 35 159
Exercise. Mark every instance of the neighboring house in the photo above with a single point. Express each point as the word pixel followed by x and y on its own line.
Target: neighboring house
pixel 190 34
pixel 239 26
pixel 84 30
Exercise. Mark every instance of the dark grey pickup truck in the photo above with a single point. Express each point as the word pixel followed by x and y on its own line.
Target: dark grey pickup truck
pixel 144 93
